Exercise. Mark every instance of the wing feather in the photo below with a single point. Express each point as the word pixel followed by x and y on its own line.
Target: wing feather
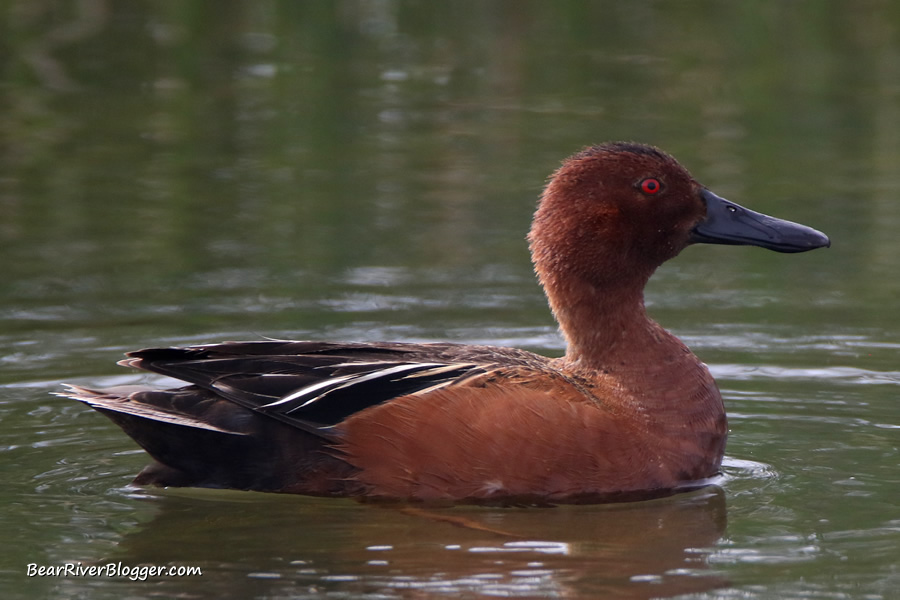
pixel 313 391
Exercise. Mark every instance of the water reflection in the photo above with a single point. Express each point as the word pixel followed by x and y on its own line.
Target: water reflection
pixel 648 549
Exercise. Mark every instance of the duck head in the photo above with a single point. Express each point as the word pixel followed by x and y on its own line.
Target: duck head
pixel 619 210
pixel 614 213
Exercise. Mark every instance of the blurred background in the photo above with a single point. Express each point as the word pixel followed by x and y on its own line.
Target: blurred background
pixel 178 172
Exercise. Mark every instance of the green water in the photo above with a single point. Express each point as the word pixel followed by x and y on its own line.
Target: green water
pixel 181 172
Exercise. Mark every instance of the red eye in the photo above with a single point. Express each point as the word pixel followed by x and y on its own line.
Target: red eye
pixel 651 186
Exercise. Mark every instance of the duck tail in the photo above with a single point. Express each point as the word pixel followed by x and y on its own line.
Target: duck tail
pixel 198 440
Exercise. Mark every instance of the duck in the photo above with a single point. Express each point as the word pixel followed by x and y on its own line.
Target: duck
pixel 628 412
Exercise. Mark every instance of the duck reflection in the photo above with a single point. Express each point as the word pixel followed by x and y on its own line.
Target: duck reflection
pixel 250 544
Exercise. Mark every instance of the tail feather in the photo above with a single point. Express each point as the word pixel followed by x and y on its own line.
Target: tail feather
pixel 200 440
pixel 119 400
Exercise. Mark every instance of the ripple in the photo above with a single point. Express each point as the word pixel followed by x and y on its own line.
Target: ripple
pixel 757 338
pixel 742 469
pixel 845 375
pixel 527 546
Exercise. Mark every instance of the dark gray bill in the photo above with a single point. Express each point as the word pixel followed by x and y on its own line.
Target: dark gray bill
pixel 730 223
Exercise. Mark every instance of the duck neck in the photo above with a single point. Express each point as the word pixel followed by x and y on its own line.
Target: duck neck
pixel 610 335
pixel 604 324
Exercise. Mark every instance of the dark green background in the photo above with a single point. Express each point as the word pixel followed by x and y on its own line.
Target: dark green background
pixel 185 171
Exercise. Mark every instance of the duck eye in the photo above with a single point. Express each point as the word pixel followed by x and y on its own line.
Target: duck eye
pixel 651 186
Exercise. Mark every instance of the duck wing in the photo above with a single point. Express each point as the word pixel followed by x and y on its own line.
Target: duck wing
pixel 311 386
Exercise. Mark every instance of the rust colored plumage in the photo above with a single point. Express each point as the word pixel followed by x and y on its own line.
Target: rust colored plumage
pixel 628 412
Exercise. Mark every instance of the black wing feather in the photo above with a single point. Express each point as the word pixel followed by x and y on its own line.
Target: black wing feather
pixel 310 385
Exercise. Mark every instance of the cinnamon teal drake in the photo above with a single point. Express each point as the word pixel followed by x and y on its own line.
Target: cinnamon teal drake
pixel 628 412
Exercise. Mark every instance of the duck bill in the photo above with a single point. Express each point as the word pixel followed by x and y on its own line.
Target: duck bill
pixel 732 224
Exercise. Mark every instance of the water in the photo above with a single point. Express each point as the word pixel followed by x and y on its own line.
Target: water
pixel 188 172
